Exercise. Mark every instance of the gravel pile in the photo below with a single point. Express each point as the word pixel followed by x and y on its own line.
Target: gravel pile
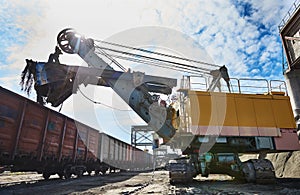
pixel 286 164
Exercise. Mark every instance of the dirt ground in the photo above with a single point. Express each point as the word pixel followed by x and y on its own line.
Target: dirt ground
pixel 139 183
pixel 286 167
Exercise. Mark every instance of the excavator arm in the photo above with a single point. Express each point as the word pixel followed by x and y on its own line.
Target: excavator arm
pixel 135 88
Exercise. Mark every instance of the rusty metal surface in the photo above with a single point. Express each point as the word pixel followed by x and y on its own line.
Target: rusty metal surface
pixel 28 129
pixel 11 110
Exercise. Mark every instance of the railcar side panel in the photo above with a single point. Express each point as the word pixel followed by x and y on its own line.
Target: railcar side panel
pixel 92 144
pixel 111 149
pixel 53 135
pixel 82 140
pixel 11 109
pixel 33 129
pixel 69 140
pixel 104 153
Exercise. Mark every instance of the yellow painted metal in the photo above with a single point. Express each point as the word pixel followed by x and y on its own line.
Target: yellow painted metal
pixel 230 115
pixel 242 110
pixel 283 112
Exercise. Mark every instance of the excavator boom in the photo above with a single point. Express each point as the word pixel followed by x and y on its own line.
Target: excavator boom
pixel 138 90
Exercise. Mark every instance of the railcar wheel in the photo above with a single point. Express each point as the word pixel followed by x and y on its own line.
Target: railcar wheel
pixel 46 175
pixel 249 172
pixel 79 174
pixel 67 172
pixel 67 175
pixel 103 171
pixel 61 175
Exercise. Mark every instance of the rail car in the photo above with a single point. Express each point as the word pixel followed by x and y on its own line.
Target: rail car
pixel 36 138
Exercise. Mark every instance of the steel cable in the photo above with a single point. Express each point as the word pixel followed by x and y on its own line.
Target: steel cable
pixel 158 53
pixel 181 65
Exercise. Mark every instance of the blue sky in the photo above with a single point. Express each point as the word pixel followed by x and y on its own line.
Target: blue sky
pixel 241 34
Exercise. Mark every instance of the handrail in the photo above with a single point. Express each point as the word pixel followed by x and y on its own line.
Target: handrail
pixel 254 86
pixel 237 86
pixel 289 14
pixel 284 88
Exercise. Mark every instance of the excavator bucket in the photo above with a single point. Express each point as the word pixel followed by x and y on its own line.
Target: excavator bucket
pixel 53 82
pixel 61 83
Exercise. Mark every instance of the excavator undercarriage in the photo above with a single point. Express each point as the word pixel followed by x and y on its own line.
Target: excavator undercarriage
pixel 253 171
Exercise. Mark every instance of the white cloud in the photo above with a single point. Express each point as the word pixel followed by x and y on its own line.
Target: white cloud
pixel 255 71
pixel 10 81
pixel 264 57
pixel 251 49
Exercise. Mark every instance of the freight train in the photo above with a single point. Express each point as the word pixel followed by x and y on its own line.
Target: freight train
pixel 36 138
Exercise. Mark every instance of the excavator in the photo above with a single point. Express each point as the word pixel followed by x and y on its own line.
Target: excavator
pixel 211 127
